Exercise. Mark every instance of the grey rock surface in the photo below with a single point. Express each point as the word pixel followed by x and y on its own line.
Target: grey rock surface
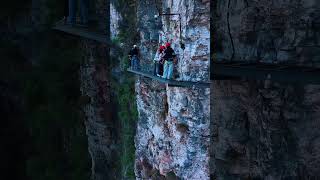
pixel 267 31
pixel 100 128
pixel 262 129
pixel 96 89
pixel 265 132
pixel 173 132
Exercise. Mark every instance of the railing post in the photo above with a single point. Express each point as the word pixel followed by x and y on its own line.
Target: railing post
pixel 84 11
pixel 72 12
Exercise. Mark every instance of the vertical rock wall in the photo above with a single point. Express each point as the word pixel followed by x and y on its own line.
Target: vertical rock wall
pixel 265 130
pixel 267 31
pixel 95 88
pixel 96 92
pixel 262 129
pixel 115 19
pixel 193 62
pixel 172 137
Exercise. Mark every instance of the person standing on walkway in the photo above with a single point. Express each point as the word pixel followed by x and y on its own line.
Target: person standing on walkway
pixel 134 58
pixel 157 62
pixel 84 12
pixel 169 56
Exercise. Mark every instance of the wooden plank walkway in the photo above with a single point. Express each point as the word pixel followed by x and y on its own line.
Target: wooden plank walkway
pixel 171 82
pixel 258 71
pixel 82 32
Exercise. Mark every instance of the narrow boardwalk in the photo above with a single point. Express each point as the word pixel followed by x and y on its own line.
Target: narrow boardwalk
pixel 87 33
pixel 171 82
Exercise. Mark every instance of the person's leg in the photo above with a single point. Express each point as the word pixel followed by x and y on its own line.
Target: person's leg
pixel 157 68
pixel 134 62
pixel 130 63
pixel 160 69
pixel 72 12
pixel 170 70
pixel 165 71
pixel 138 63
pixel 84 11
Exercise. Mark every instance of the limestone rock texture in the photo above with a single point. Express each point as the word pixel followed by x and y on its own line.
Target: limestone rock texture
pixel 267 31
pixel 172 137
pixel 265 131
pixel 262 129
pixel 100 129
pixel 115 18
pixel 97 105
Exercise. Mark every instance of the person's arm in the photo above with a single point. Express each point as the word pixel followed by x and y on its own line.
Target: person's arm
pixel 174 56
pixel 156 57
pixel 130 52
pixel 175 59
pixel 138 53
pixel 173 53
pixel 161 58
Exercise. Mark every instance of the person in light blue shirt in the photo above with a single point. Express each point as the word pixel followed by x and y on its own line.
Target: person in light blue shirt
pixel 158 62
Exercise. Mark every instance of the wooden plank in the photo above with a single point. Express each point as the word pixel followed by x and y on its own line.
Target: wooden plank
pixel 82 32
pixel 171 82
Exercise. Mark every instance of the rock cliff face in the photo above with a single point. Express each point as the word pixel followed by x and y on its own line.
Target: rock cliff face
pixel 96 91
pixel 263 129
pixel 267 31
pixel 95 88
pixel 172 137
pixel 115 19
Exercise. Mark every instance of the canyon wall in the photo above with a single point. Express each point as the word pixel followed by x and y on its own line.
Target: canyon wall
pixel 101 126
pixel 263 129
pixel 115 18
pixel 267 31
pixel 172 139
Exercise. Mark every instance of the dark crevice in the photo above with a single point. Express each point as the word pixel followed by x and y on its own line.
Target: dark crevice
pixel 247 3
pixel 166 108
pixel 229 31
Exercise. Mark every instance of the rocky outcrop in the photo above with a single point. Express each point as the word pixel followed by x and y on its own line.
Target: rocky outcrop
pixel 263 129
pixel 172 139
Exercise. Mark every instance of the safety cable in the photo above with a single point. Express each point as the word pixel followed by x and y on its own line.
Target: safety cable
pixel 172 14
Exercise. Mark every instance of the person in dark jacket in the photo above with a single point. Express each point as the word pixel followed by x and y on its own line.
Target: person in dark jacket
pixel 169 56
pixel 84 12
pixel 134 58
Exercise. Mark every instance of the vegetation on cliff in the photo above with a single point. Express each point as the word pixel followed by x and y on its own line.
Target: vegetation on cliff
pixel 127 112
